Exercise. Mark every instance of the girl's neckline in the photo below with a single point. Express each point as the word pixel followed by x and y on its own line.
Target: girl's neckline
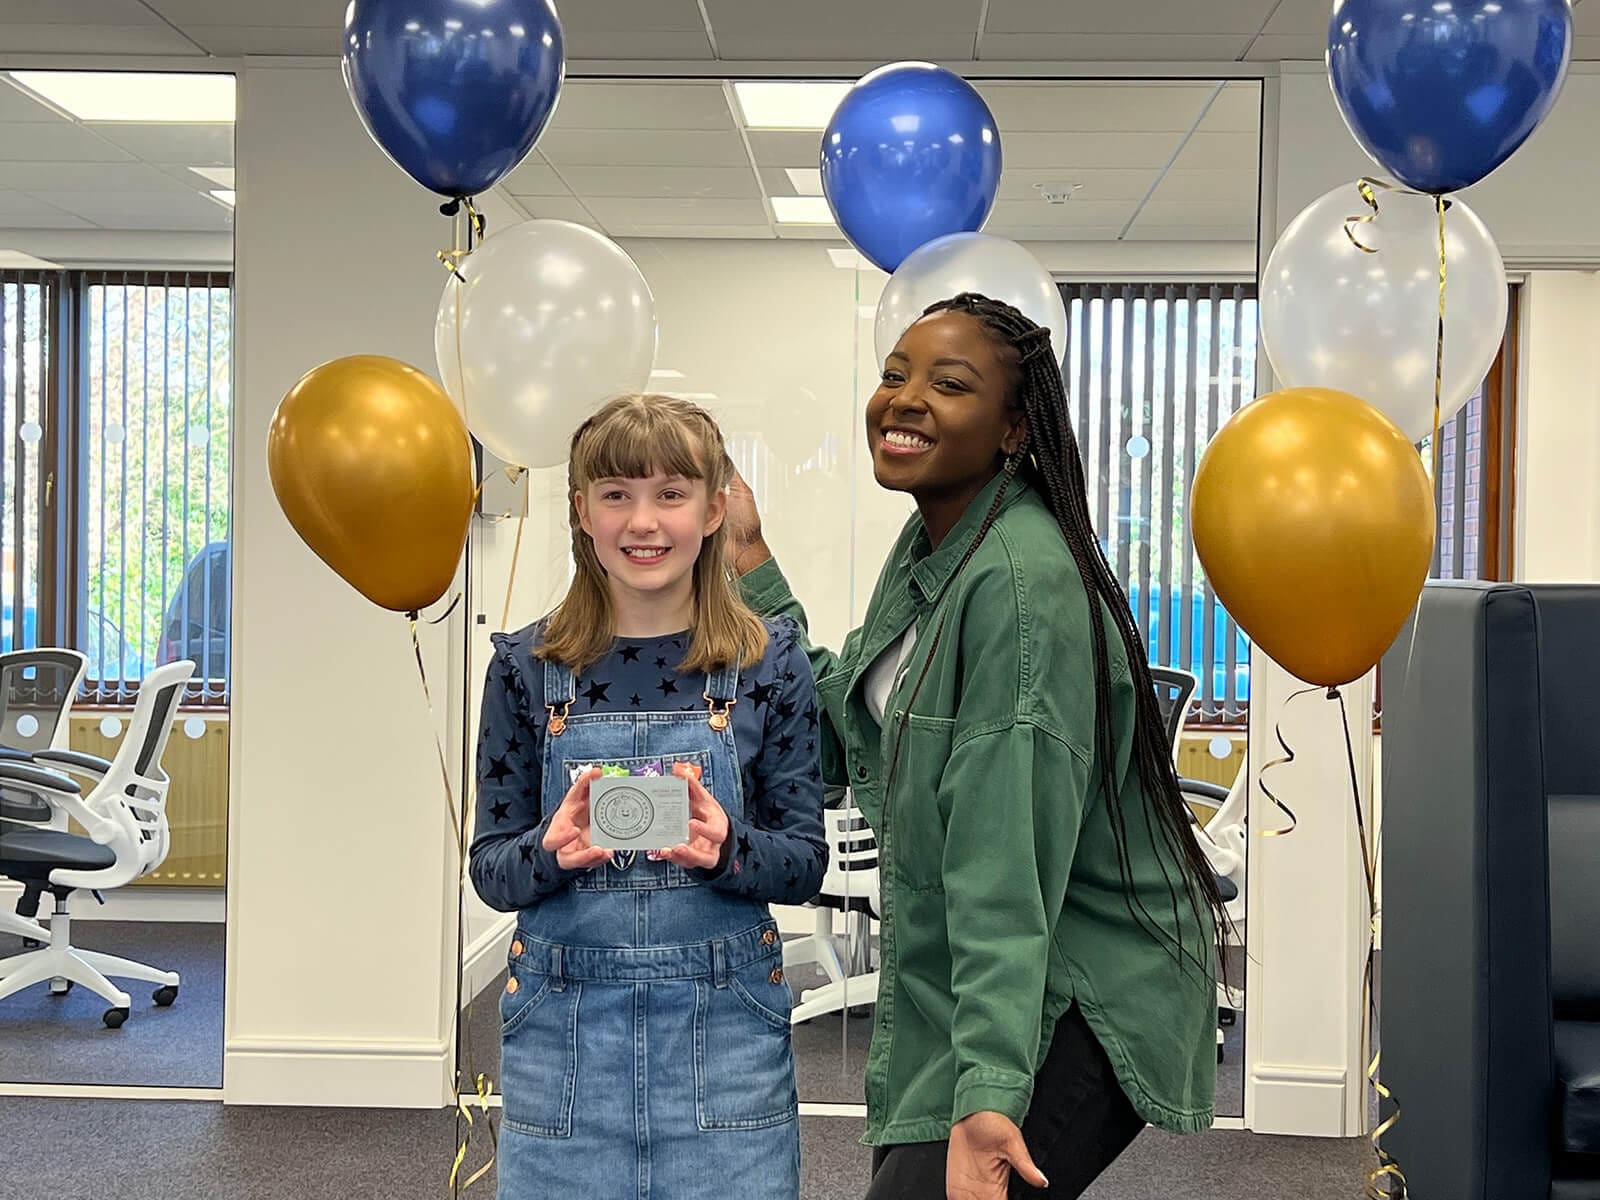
pixel 660 637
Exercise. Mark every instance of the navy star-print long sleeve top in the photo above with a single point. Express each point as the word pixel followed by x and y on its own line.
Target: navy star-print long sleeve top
pixel 776 852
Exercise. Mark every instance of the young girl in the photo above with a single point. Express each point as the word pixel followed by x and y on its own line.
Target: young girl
pixel 646 1018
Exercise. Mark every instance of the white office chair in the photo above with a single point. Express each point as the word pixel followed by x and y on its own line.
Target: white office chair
pixel 849 885
pixel 125 818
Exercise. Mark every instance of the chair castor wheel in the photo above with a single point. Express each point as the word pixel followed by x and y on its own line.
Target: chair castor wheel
pixel 1226 1016
pixel 60 987
pixel 114 1017
pixel 165 996
pixel 32 944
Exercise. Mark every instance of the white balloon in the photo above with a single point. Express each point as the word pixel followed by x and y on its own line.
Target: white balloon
pixel 1335 316
pixel 555 319
pixel 969 262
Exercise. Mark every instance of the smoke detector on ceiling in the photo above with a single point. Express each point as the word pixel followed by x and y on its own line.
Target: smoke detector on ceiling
pixel 1057 193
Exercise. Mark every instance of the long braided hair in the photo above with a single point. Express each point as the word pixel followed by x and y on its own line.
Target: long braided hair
pixel 1055 466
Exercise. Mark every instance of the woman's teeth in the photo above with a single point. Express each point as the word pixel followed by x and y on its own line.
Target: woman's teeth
pixel 906 441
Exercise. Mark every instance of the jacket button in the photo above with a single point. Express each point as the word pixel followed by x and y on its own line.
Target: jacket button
pixel 768 938
pixel 861 773
pixel 511 987
pixel 516 949
pixel 777 975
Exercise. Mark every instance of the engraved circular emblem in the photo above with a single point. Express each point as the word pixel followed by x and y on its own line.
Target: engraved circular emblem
pixel 623 813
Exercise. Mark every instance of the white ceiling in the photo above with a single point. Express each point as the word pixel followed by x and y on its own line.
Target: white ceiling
pixel 670 159
pixel 749 30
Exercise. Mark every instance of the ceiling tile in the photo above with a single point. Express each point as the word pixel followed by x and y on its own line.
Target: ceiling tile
pixel 18 105
pixel 286 13
pixel 1112 47
pixel 712 183
pixel 185 145
pixel 1221 151
pixel 661 148
pixel 558 208
pixel 1061 152
pixel 1094 183
pixel 1586 17
pixel 630 45
pixel 535 177
pixel 95 39
pixel 64 141
pixel 643 16
pixel 143 210
pixel 1172 214
pixel 746 232
pixel 907 18
pixel 1300 47
pixel 610 211
pixel 786 147
pixel 1201 186
pixel 1237 109
pixel 1128 16
pixel 1102 107
pixel 1088 233
pixel 1029 214
pixel 808 233
pixel 19 211
pixel 77 12
pixel 236 41
pixel 1300 17
pixel 687 104
pixel 1197 233
pixel 90 177
pixel 846 44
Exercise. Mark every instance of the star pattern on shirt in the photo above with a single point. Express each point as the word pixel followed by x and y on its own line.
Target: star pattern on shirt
pixel 630 654
pixel 661 664
pixel 636 701
pixel 667 687
pixel 760 694
pixel 501 809
pixel 499 769
pixel 595 693
pixel 526 849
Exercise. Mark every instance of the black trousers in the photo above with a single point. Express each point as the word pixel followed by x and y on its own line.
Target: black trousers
pixel 1079 1122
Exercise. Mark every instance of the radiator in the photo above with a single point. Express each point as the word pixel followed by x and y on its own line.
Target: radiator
pixel 197 803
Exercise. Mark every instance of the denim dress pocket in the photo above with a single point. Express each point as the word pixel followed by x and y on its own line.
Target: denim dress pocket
pixel 539 1054
pixel 744 1062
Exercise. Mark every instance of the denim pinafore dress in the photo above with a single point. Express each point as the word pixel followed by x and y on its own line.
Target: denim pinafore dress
pixel 645 1025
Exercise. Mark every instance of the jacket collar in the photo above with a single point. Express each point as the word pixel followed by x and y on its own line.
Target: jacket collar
pixel 932 570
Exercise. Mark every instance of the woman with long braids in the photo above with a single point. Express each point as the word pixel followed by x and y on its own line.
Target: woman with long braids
pixel 1049 925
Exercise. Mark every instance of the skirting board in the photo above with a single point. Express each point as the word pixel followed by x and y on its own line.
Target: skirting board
pixel 143 903
pixel 336 1074
pixel 1303 1101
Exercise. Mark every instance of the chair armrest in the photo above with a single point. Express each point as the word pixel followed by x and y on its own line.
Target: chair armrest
pixel 38 777
pixel 74 760
pixel 1213 793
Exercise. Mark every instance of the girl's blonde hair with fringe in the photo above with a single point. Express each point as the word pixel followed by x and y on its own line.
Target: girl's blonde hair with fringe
pixel 637 437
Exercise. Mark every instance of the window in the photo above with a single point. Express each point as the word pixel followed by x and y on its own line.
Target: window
pixel 1152 372
pixel 117 471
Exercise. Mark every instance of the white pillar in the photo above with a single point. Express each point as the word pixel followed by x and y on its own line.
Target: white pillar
pixel 341 896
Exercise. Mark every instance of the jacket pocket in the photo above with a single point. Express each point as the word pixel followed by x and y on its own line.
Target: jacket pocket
pixel 917 823
pixel 539 1054
pixel 743 1063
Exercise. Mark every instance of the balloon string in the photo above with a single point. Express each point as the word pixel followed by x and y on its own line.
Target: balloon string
pixel 1438 348
pixel 482 1087
pixel 1284 760
pixel 516 549
pixel 1386 1181
pixel 1366 189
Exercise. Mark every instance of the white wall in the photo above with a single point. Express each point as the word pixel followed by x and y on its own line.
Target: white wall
pixel 340 873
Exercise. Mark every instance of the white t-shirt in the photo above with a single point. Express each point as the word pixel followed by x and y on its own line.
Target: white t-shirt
pixel 884 673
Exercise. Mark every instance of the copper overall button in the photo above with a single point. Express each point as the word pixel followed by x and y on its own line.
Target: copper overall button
pixel 511 986
pixel 767 938
pixel 516 948
pixel 777 975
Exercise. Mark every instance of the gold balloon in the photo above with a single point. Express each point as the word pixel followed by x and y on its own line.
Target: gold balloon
pixel 1314 518
pixel 373 467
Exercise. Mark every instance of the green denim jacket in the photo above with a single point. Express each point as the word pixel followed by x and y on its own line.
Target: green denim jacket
pixel 1001 899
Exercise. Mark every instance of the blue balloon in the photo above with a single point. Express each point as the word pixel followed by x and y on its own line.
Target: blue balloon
pixel 911 154
pixel 456 92
pixel 1441 92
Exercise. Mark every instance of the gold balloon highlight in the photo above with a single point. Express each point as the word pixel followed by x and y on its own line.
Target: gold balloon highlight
pixel 373 467
pixel 1314 518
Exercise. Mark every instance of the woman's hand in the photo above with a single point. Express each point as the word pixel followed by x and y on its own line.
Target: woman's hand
pixel 746 547
pixel 985 1149
pixel 568 834
pixel 708 825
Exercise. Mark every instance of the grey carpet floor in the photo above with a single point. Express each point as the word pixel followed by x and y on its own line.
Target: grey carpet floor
pixel 61 1039
pixel 154 1150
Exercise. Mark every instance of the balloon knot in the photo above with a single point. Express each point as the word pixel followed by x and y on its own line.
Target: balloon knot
pixel 450 207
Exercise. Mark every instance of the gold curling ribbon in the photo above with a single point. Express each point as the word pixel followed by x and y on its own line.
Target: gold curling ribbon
pixel 1386 1181
pixel 483 1088
pixel 1283 760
